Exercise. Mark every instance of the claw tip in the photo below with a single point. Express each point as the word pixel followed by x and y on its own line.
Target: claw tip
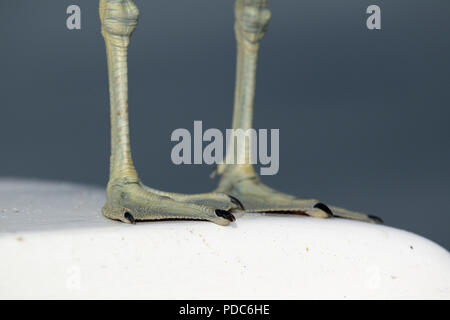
pixel 236 202
pixel 129 217
pixel 376 219
pixel 225 214
pixel 323 207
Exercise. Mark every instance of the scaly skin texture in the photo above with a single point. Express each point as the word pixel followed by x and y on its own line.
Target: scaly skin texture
pixel 128 199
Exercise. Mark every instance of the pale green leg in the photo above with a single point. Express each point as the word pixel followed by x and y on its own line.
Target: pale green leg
pixel 240 180
pixel 128 199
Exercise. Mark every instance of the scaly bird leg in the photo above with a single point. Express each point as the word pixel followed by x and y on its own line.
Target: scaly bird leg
pixel 240 180
pixel 128 199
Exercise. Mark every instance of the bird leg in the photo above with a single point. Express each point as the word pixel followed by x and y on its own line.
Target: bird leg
pixel 240 180
pixel 128 200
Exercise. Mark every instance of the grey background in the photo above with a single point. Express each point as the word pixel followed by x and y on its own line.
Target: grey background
pixel 363 115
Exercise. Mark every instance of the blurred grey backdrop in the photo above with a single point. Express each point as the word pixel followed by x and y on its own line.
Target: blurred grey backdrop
pixel 363 115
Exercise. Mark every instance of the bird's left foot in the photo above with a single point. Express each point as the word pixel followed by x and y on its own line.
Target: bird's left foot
pixel 257 197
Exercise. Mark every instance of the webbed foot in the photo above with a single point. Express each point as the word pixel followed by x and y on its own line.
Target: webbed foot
pixel 131 202
pixel 257 197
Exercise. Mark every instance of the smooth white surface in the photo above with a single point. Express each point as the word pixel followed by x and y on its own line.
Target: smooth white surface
pixel 54 243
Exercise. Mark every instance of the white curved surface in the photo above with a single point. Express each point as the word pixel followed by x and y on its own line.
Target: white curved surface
pixel 54 243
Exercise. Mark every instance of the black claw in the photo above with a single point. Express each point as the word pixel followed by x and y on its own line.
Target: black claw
pixel 129 217
pixel 324 208
pixel 225 214
pixel 376 219
pixel 236 202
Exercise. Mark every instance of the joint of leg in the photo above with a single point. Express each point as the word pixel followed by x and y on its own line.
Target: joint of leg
pixel 119 18
pixel 252 19
pixel 123 181
pixel 234 174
